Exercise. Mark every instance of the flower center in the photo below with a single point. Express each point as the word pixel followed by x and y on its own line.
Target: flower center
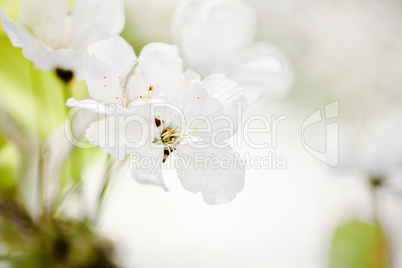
pixel 168 137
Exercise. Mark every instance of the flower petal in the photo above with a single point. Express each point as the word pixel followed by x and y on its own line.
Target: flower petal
pixel 106 65
pixel 96 106
pixel 146 165
pixel 207 173
pixel 261 70
pixel 162 68
pixel 216 99
pixel 210 32
pixel 94 20
pixel 116 137
pixel 47 20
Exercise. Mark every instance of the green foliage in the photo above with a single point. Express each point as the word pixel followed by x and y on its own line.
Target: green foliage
pixel 358 244
pixel 9 165
pixel 50 242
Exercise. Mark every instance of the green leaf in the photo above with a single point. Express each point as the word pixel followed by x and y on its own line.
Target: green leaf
pixel 358 244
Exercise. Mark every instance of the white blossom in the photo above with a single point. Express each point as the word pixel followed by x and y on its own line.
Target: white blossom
pixel 156 79
pixel 54 34
pixel 218 36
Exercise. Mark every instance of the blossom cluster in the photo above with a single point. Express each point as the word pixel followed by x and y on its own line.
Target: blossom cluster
pixel 178 100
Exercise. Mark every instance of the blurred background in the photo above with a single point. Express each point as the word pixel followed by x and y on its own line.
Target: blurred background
pixel 309 215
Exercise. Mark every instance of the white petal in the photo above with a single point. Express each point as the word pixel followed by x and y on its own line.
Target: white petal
pixel 218 182
pixel 218 99
pixel 161 49
pixel 94 20
pixel 210 32
pixel 225 90
pixel 261 70
pixel 47 20
pixel 119 135
pixel 191 76
pixel 162 68
pixel 18 35
pixel 96 106
pixel 46 59
pixel 146 165
pixel 106 66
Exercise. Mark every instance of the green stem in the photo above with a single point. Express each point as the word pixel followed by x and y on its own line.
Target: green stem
pixel 105 184
pixel 61 195
pixel 37 86
pixel 375 184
